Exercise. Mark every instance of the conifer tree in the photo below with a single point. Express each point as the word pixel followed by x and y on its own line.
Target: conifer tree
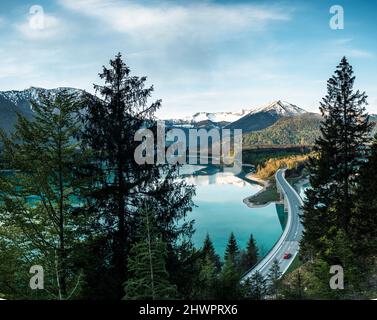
pixel 249 257
pixel 273 278
pixel 39 196
pixel 299 286
pixel 229 281
pixel 210 253
pixel 147 264
pixel 255 287
pixel 119 184
pixel 232 250
pixel 334 169
pixel 207 280
pixel 364 220
pixel 252 251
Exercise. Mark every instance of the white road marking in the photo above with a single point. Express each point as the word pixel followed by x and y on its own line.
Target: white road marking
pixel 294 227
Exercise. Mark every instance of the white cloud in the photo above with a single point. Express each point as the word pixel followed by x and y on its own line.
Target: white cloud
pixel 350 53
pixel 13 69
pixel 51 28
pixel 357 53
pixel 345 47
pixel 176 20
pixel 343 41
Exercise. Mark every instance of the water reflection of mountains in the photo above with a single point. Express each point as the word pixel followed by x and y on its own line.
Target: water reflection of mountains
pixel 207 176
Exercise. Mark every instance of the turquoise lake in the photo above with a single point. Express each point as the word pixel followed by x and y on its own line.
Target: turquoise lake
pixel 220 210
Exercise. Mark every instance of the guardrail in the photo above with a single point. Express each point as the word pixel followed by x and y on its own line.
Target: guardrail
pixel 272 252
pixel 290 215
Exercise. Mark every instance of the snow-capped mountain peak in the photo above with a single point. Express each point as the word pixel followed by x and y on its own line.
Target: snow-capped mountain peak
pixel 281 108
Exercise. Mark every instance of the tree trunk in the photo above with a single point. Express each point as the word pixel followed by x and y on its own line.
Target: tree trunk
pixel 62 251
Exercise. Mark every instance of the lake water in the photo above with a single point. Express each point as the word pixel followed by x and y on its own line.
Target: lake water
pixel 220 210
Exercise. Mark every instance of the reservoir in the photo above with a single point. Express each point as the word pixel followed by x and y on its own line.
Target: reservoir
pixel 220 210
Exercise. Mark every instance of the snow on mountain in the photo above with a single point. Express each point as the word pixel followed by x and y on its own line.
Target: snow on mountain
pixel 278 108
pixel 216 117
pixel 17 97
pixel 265 116
pixel 282 108
pixel 14 101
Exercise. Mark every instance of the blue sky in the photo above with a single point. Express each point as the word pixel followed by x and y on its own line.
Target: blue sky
pixel 199 55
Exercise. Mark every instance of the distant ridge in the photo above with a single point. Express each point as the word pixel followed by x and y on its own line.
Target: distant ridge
pixel 248 119
pixel 264 116
pixel 210 119
pixel 32 93
pixel 18 101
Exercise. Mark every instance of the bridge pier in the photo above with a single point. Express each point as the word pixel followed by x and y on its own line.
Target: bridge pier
pixel 282 197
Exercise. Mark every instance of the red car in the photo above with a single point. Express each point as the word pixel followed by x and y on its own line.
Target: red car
pixel 287 255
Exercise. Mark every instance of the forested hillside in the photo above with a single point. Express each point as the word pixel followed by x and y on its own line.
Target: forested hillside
pixel 299 130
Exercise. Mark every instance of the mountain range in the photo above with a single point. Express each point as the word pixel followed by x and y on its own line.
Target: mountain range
pixel 265 116
pixel 215 119
pixel 278 122
pixel 248 120
pixel 13 102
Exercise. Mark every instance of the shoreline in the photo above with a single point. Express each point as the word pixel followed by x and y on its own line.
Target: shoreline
pixel 265 184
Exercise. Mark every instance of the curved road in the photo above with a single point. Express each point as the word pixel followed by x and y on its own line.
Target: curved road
pixel 289 240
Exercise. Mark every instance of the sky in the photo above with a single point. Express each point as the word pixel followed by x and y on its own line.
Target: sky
pixel 199 55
